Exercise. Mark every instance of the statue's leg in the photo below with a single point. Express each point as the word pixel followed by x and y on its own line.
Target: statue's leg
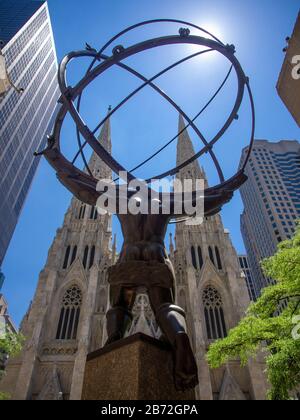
pixel 171 319
pixel 119 316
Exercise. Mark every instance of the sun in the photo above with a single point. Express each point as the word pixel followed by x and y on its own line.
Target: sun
pixel 215 29
pixel 211 27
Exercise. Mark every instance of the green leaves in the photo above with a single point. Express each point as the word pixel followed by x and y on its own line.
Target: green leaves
pixel 11 344
pixel 4 396
pixel 268 324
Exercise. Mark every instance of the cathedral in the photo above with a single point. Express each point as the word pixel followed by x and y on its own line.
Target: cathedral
pixel 66 319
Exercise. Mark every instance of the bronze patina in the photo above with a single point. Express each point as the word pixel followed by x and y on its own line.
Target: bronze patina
pixel 143 261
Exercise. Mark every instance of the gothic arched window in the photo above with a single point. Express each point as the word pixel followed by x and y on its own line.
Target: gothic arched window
pixel 211 255
pixel 200 257
pixel 69 314
pixel 93 214
pixel 219 262
pixel 214 314
pixel 82 211
pixel 194 261
pixel 85 256
pixel 66 260
pixel 74 253
pixel 92 257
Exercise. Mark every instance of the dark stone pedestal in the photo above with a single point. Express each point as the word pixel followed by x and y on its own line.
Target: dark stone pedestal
pixel 135 368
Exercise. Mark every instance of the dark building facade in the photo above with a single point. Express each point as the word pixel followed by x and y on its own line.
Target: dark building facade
pixel 13 15
pixel 25 118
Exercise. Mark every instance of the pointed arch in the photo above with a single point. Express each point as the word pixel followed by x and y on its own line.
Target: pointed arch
pixel 93 213
pixel 194 260
pixel 66 259
pixel 211 255
pixel 214 313
pixel 200 257
pixel 74 253
pixel 218 257
pixel 92 256
pixel 82 211
pixel 69 314
pixel 85 256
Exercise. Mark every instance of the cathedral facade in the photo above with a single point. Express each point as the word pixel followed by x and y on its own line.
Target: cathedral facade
pixel 66 319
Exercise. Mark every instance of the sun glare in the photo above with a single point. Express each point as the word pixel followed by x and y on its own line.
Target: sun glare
pixel 212 28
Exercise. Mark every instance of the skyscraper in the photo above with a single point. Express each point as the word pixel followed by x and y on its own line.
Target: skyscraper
pixel 67 317
pixel 31 63
pixel 14 14
pixel 271 198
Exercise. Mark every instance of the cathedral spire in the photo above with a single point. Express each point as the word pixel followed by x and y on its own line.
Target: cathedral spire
pixel 185 150
pixel 99 169
pixel 105 133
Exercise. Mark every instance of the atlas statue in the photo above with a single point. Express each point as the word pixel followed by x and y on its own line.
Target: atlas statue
pixel 143 262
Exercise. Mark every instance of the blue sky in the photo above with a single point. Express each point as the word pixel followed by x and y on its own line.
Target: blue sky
pixel 257 28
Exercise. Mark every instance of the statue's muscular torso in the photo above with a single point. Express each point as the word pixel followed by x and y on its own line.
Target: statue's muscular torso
pixel 144 237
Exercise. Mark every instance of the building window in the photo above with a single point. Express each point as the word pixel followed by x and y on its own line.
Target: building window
pixel 93 214
pixel 214 314
pixel 66 260
pixel 92 257
pixel 194 261
pixel 211 255
pixel 200 257
pixel 82 211
pixel 219 262
pixel 74 253
pixel 69 314
pixel 85 256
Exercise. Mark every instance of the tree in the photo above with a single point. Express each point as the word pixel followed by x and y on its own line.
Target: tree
pixel 272 324
pixel 10 346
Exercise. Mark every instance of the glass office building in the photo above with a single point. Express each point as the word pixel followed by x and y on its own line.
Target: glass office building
pixel 25 119
pixel 14 14
pixel 271 198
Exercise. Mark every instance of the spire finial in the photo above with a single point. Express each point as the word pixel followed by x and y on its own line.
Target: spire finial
pixel 185 150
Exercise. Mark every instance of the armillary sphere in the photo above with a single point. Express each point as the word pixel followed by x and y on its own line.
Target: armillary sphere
pixel 82 183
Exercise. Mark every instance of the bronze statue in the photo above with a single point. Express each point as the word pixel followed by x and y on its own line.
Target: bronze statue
pixel 143 262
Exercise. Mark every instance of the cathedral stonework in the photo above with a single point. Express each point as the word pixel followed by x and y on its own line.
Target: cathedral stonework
pixel 66 319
